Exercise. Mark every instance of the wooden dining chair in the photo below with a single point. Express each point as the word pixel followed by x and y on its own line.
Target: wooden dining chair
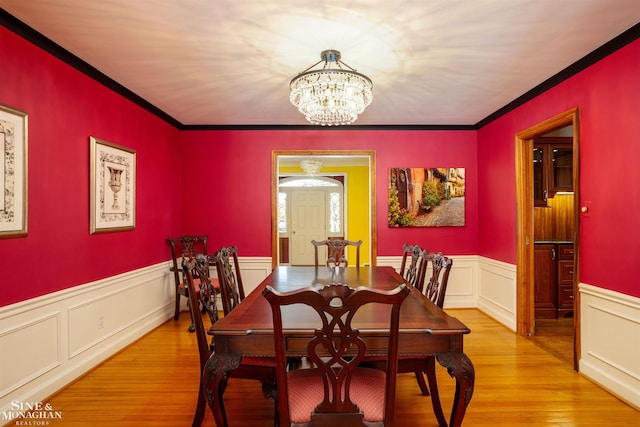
pixel 262 369
pixel 196 268
pixel 336 251
pixel 336 391
pixel 413 271
pixel 186 246
pixel 435 290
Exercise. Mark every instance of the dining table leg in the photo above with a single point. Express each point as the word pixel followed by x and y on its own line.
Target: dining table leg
pixel 459 366
pixel 214 378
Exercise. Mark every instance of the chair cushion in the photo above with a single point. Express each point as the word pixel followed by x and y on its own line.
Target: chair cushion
pixel 306 392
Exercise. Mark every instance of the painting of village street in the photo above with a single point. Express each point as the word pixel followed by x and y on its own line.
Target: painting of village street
pixel 426 197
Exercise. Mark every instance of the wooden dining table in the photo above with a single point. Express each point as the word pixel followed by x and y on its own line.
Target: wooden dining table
pixel 425 329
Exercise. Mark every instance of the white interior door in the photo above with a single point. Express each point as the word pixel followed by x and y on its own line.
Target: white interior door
pixel 308 222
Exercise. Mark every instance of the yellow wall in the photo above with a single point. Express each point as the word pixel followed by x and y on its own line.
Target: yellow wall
pixel 357 205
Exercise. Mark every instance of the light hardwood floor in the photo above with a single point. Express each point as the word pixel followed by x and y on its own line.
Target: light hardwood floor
pixel 154 382
pixel 556 337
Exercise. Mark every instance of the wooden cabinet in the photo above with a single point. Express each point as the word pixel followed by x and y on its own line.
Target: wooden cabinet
pixel 553 287
pixel 552 168
pixel 565 280
pixel 545 294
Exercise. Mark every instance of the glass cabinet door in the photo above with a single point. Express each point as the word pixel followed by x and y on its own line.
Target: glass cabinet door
pixel 539 176
pixel 561 168
pixel 552 168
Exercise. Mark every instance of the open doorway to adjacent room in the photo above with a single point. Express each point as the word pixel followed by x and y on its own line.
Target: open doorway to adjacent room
pixel 335 201
pixel 547 192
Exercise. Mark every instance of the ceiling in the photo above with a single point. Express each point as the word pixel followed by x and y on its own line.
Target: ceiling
pixel 229 62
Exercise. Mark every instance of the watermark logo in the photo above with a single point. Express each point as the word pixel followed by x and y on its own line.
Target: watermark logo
pixel 31 413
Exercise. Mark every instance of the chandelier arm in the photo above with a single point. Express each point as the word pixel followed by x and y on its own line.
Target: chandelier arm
pixel 304 71
pixel 340 64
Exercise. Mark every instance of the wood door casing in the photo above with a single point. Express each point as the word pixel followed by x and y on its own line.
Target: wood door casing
pixel 525 323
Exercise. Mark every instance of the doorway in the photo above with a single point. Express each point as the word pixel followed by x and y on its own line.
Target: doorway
pixel 309 208
pixel 366 206
pixel 308 216
pixel 526 253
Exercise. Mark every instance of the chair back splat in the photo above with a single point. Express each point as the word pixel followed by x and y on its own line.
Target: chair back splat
pixel 228 270
pixel 414 265
pixel 336 251
pixel 336 391
pixel 185 247
pixel 436 287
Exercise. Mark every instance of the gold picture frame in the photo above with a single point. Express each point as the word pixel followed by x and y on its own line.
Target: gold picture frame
pixel 113 187
pixel 13 170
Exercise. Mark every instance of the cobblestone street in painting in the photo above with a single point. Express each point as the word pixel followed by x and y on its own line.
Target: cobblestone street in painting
pixel 449 213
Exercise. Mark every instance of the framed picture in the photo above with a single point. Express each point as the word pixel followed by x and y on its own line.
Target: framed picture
pixel 426 197
pixel 113 187
pixel 13 170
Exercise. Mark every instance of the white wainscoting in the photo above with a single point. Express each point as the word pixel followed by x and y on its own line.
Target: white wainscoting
pixel 55 338
pixel 477 282
pixel 49 341
pixel 610 341
pixel 254 270
pixel 462 288
pixel 497 284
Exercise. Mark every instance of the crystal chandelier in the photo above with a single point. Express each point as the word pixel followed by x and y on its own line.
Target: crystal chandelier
pixel 331 96
pixel 311 167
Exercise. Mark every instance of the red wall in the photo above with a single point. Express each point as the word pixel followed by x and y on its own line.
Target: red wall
pixel 233 188
pixel 228 194
pixel 64 108
pixel 608 97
